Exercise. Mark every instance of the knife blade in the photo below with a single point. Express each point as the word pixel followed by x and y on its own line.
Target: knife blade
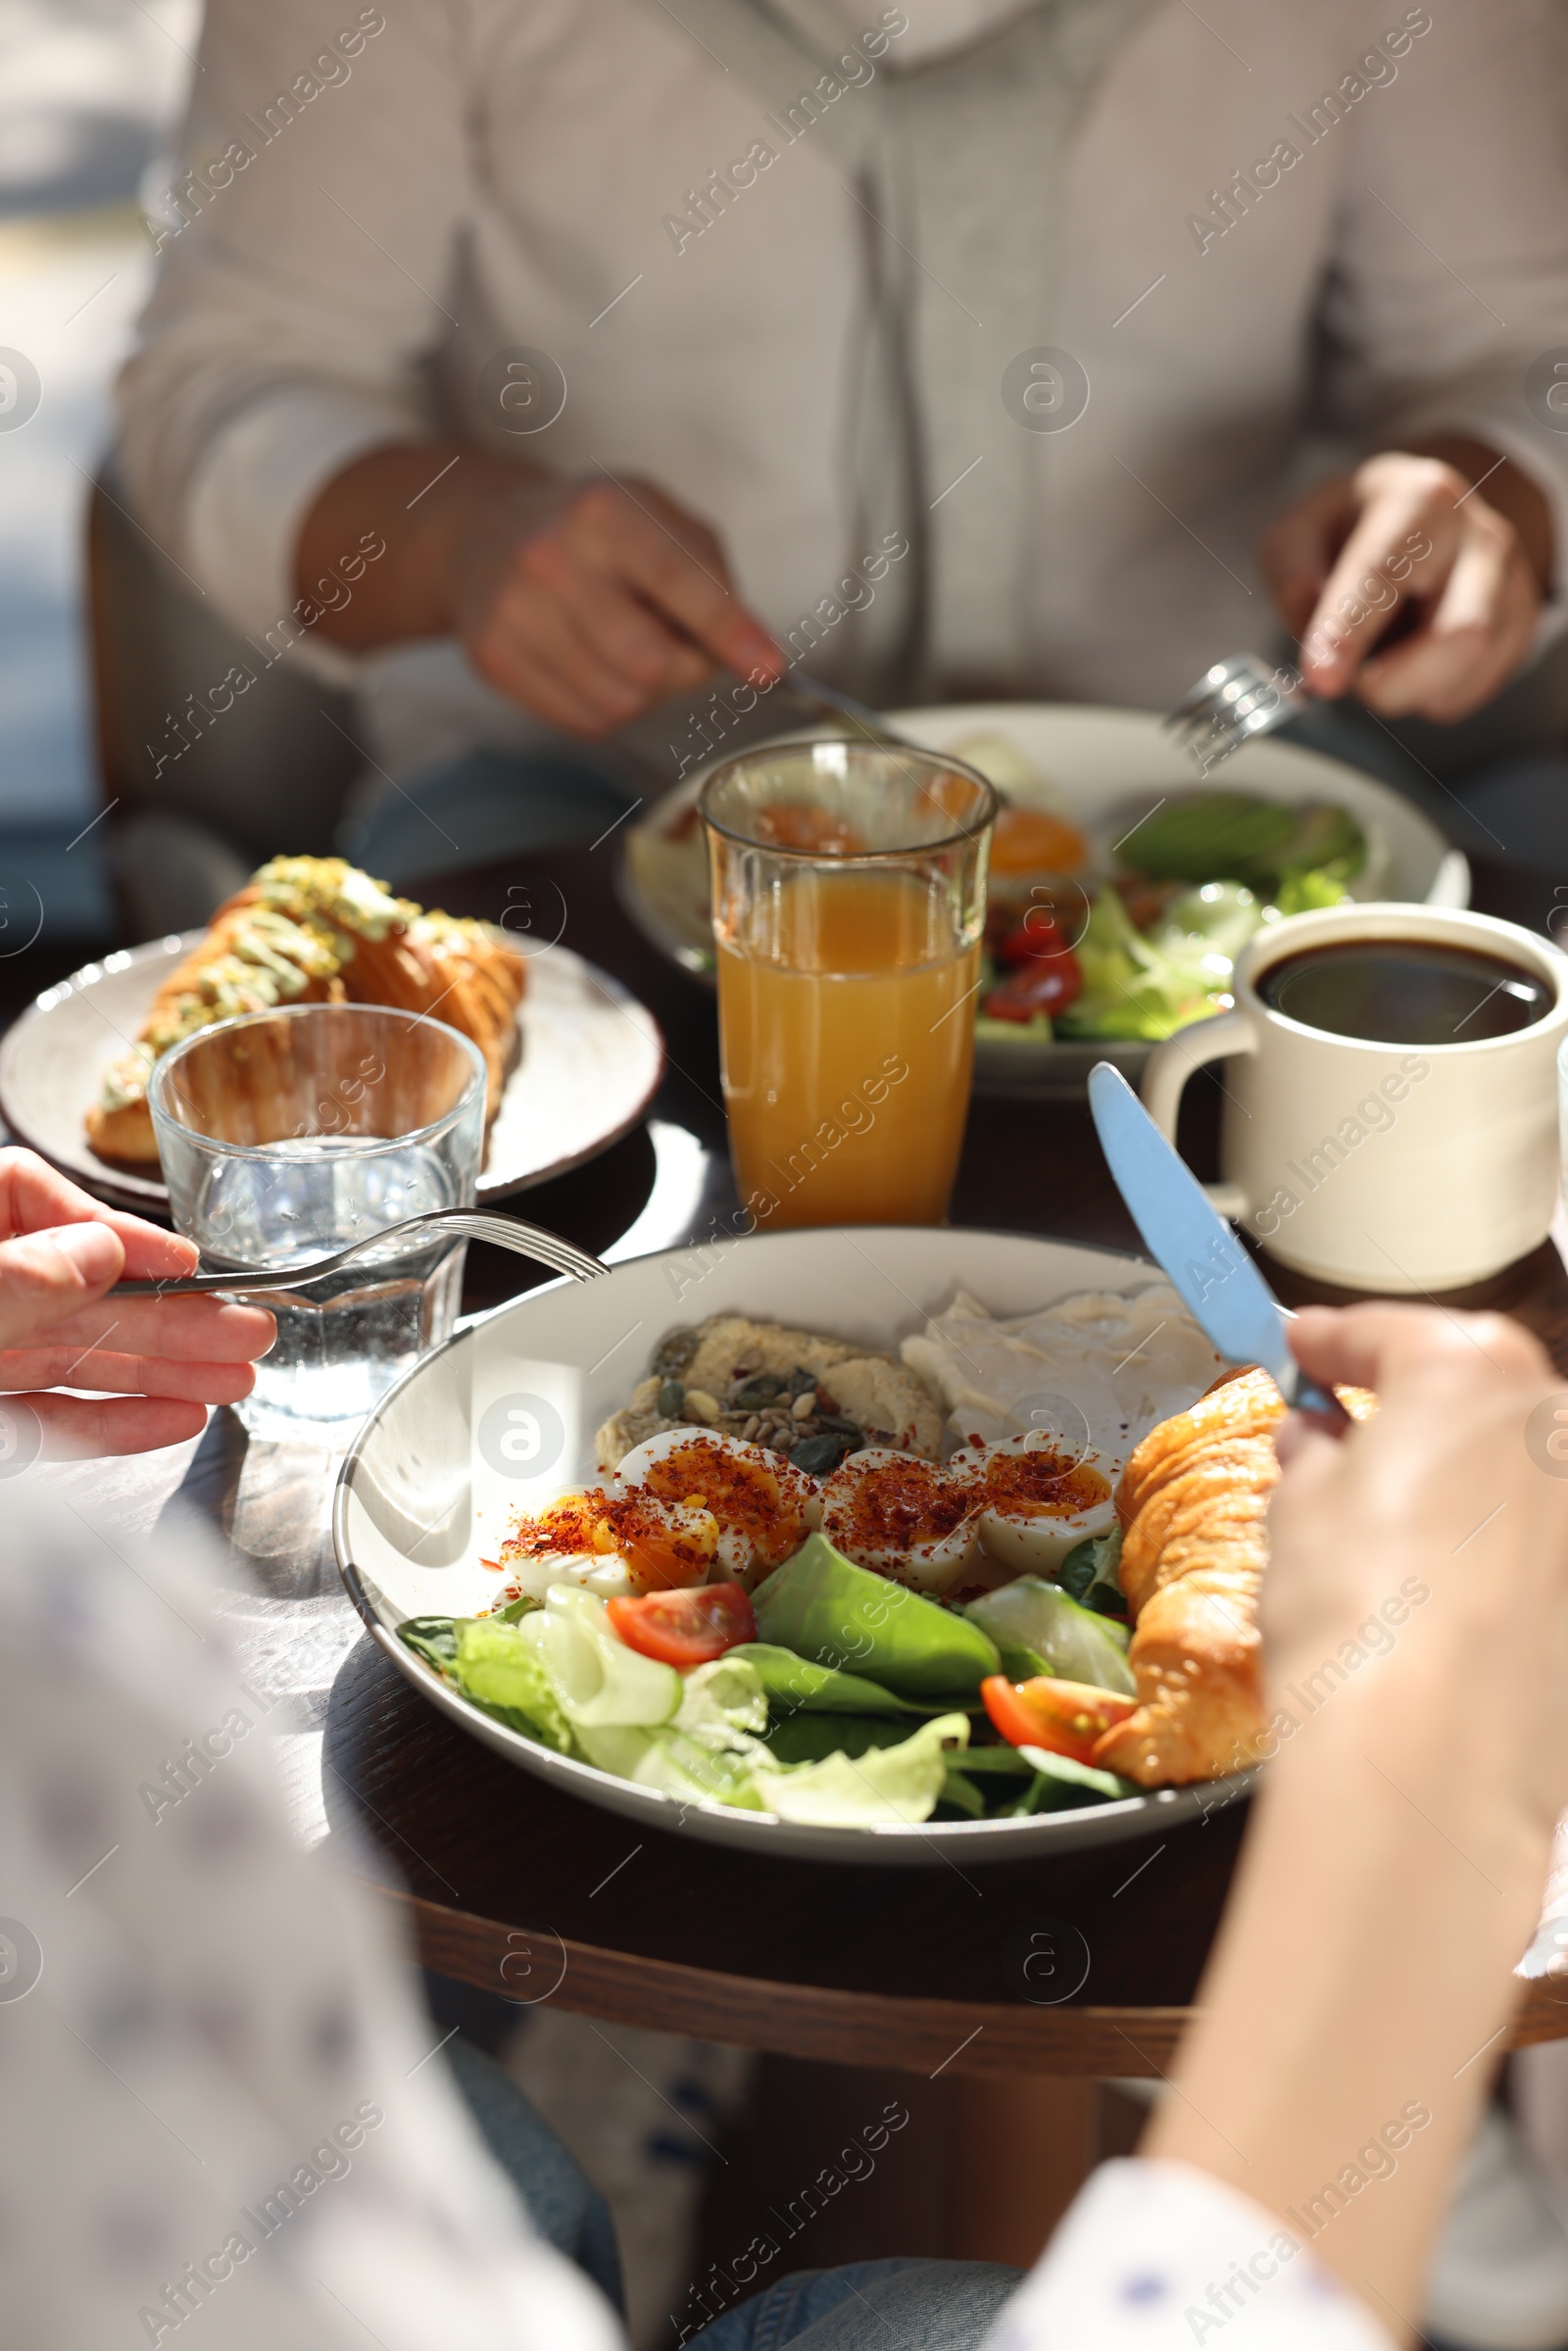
pixel 1193 1245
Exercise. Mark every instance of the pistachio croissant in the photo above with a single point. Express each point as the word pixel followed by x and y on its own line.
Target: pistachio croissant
pixel 316 930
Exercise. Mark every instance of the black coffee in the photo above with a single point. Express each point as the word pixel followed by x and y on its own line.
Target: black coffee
pixel 1405 991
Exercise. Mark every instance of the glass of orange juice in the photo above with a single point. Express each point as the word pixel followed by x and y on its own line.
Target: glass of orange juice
pixel 849 890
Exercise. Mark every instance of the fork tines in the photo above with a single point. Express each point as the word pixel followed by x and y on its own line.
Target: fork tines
pixel 1232 702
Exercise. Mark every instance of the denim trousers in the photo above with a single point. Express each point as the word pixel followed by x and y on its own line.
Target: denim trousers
pixel 897 2305
pixel 902 2305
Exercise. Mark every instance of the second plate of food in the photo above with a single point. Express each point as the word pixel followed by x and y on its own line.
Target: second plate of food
pixel 1093 794
pixel 806 1547
pixel 588 1062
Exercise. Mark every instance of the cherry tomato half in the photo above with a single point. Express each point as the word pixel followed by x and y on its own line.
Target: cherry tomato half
pixel 1042 986
pixel 685 1627
pixel 1067 1717
pixel 1038 938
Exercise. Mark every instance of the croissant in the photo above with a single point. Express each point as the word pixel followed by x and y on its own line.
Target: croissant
pixel 1192 1503
pixel 316 930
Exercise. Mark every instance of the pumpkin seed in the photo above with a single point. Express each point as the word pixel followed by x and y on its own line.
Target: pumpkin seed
pixel 818 1454
pixel 674 1352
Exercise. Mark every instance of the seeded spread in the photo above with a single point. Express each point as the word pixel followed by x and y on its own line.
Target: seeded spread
pixel 808 1398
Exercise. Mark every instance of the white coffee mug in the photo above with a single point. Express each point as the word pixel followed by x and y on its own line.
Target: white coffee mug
pixel 1385 1168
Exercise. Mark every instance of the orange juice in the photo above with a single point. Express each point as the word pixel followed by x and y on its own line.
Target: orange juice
pixel 847 1022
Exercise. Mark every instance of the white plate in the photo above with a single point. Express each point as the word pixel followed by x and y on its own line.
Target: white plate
pixel 1108 767
pixel 424 1496
pixel 590 1063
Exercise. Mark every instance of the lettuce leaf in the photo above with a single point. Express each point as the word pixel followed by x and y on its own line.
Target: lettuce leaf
pixel 723 1703
pixel 688 1769
pixel 1038 1628
pixel 1215 919
pixel 830 1611
pixel 885 1787
pixel 1132 987
pixel 494 1665
pixel 1300 892
pixel 959 1795
pixel 706 1753
pixel 1238 837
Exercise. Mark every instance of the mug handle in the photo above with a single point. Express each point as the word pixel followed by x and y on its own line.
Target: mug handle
pixel 1171 1064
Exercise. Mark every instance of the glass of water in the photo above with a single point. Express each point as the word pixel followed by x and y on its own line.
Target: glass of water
pixel 287 1135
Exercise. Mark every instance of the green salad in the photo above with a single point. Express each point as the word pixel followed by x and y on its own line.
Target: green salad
pixel 841 1700
pixel 1194 879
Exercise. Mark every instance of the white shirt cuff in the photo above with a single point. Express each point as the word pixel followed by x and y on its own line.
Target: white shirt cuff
pixel 1160 2257
pixel 253 489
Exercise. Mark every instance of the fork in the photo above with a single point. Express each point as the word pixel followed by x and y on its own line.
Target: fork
pixel 870 723
pixel 835 704
pixel 503 1232
pixel 1234 703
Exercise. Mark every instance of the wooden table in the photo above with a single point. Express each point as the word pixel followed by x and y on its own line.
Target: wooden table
pixel 521 1890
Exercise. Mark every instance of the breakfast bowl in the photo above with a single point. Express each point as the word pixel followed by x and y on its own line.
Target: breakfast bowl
pixel 507 1425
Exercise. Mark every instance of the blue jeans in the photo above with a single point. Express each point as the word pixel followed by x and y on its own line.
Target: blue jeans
pixel 483 806
pixel 893 2305
pixel 916 2305
pixel 563 2202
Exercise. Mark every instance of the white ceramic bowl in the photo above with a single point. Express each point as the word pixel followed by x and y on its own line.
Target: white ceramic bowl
pixel 426 1492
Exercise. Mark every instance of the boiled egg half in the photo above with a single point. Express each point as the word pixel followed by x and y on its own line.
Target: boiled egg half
pixel 611 1543
pixel 763 1507
pixel 1035 1503
pixel 906 1517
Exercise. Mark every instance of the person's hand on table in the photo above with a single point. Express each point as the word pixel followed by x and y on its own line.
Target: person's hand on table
pixel 1405 531
pixel 162 1361
pixel 1415 1624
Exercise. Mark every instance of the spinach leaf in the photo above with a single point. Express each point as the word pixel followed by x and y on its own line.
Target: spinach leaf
pixel 994 1763
pixel 499 1670
pixel 960 1799
pixel 1088 1574
pixel 808 1738
pixel 832 1612
pixel 1062 1782
pixel 795 1685
pixel 433 1638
